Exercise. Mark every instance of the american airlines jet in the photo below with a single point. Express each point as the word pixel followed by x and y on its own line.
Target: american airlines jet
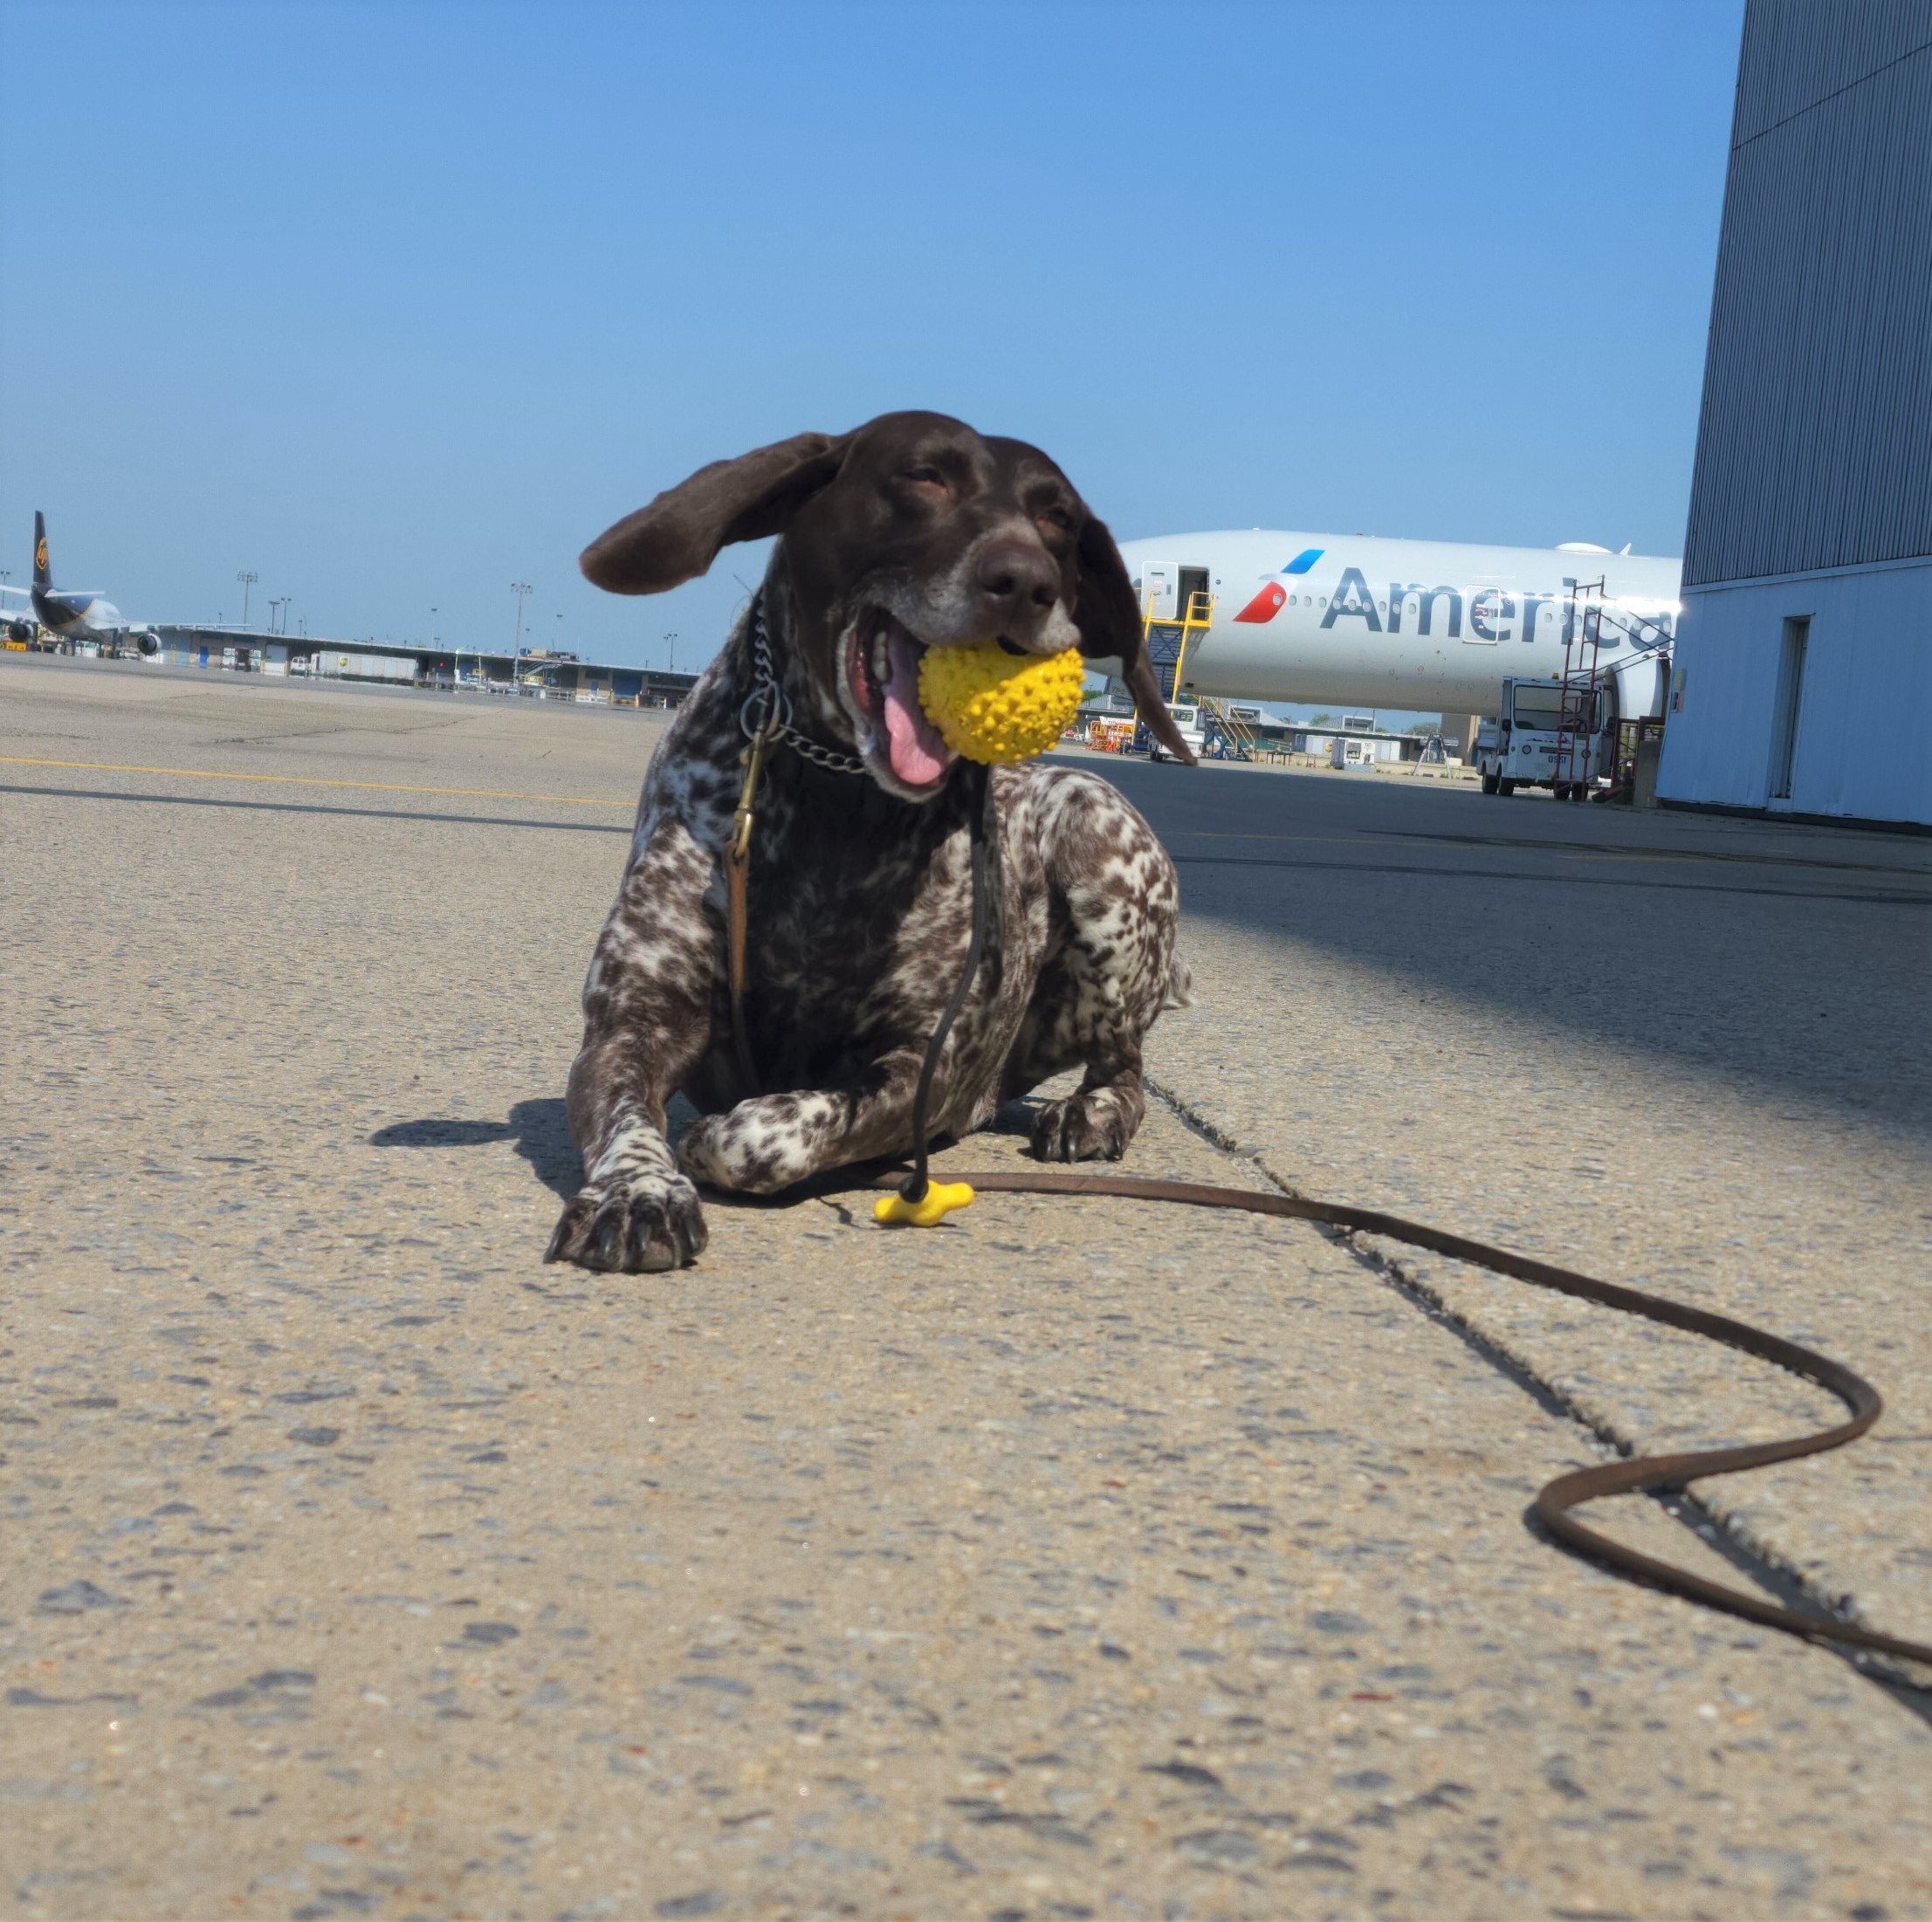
pixel 1405 624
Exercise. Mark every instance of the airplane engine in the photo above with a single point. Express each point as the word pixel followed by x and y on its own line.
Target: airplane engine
pixel 20 631
pixel 149 645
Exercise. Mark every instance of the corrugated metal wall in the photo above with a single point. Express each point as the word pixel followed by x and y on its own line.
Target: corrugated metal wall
pixel 1815 444
pixel 1799 52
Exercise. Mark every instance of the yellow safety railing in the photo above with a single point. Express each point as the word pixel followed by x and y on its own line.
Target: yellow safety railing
pixel 1194 618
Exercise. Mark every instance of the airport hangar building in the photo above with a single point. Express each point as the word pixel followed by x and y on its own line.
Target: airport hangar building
pixel 1803 671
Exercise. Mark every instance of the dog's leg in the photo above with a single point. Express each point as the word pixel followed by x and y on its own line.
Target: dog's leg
pixel 763 1145
pixel 647 1020
pixel 1114 972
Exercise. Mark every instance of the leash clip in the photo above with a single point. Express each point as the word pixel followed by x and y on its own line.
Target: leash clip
pixel 753 761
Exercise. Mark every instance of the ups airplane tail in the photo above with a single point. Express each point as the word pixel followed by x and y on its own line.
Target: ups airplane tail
pixel 42 576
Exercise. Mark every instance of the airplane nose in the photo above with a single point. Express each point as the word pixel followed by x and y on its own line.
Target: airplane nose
pixel 1021 580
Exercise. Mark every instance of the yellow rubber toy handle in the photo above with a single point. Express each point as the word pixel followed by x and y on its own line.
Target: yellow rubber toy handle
pixel 941 1198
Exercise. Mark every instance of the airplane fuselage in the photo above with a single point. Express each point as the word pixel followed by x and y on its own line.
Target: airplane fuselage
pixel 1404 624
pixel 78 616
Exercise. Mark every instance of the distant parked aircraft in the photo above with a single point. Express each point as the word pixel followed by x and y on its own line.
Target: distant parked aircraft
pixel 77 616
pixel 1404 624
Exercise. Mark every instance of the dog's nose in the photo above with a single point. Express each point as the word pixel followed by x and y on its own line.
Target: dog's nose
pixel 1022 580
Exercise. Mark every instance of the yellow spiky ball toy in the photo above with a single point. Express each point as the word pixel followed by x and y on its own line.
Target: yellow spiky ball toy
pixel 990 705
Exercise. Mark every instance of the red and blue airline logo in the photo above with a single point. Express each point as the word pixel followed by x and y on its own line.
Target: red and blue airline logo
pixel 1274 597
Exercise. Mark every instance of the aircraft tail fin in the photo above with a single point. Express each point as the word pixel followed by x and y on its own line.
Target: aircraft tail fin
pixel 42 576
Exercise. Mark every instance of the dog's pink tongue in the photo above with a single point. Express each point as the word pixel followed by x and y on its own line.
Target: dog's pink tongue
pixel 919 755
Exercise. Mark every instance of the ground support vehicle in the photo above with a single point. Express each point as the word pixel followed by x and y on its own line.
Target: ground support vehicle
pixel 1187 719
pixel 1546 734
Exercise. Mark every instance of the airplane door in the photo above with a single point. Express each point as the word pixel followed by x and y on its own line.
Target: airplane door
pixel 1161 607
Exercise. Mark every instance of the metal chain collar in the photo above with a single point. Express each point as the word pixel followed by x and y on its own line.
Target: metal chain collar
pixel 772 708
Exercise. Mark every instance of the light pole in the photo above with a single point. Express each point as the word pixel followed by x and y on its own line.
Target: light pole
pixel 670 652
pixel 247 580
pixel 521 590
pixel 274 616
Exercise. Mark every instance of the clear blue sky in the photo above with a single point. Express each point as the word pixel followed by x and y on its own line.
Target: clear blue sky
pixel 394 304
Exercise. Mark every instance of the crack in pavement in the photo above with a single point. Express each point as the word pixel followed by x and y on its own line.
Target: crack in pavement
pixel 1748 1550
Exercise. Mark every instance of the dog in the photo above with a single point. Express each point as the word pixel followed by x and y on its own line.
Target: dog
pixel 912 532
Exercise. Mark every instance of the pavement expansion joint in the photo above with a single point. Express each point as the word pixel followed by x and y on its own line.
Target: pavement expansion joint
pixel 1744 1549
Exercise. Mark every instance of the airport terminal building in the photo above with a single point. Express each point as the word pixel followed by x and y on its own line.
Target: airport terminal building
pixel 1803 671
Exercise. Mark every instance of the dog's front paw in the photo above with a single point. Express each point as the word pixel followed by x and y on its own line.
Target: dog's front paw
pixel 1094 1125
pixel 760 1146
pixel 634 1223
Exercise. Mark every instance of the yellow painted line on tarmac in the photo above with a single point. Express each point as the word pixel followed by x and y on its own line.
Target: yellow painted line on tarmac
pixel 314 780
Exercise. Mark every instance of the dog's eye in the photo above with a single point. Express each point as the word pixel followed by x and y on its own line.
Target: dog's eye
pixel 1055 518
pixel 925 476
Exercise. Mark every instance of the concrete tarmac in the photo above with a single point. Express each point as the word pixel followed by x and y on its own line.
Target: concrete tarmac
pixel 1077 1559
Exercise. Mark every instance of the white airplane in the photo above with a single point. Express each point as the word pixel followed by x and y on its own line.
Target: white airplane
pixel 78 616
pixel 1404 624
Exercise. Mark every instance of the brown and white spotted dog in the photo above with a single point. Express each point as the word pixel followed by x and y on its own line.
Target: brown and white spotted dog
pixel 911 533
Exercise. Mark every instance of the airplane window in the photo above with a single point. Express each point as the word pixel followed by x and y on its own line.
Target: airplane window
pixel 1291 600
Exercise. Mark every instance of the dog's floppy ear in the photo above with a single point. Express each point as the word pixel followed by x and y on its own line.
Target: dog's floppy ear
pixel 1107 612
pixel 679 533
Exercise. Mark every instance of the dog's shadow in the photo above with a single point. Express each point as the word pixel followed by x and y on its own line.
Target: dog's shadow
pixel 541 1132
pixel 539 1128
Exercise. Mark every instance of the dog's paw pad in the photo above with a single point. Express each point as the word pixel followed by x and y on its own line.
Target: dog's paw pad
pixel 642 1226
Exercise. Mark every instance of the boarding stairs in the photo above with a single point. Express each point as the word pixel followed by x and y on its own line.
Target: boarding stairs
pixel 1579 683
pixel 1169 637
pixel 1643 638
pixel 1227 737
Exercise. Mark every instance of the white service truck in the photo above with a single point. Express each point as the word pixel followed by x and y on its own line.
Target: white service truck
pixel 1519 747
pixel 1186 716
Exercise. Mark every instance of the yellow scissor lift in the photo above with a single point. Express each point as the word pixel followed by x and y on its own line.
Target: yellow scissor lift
pixel 1168 641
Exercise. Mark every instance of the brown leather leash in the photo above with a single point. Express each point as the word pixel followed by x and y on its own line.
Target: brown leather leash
pixel 1557 1499
pixel 738 867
